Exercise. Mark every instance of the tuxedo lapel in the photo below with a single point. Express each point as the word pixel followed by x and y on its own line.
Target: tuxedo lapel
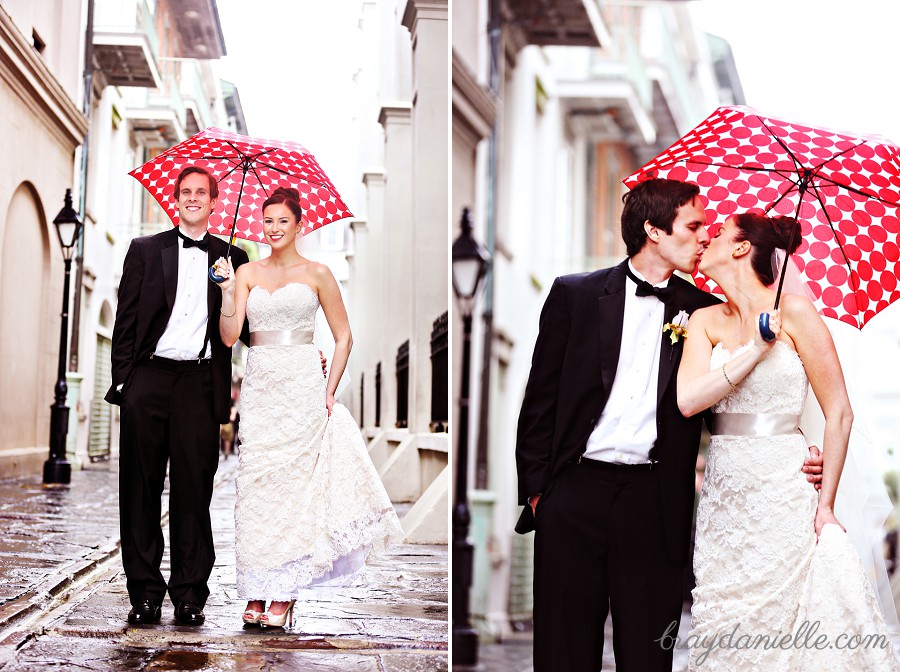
pixel 666 355
pixel 669 353
pixel 169 256
pixel 611 314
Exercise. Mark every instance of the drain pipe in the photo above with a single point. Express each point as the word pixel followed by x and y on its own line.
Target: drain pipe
pixel 481 451
pixel 79 253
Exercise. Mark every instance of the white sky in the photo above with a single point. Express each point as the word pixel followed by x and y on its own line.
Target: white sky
pixel 293 63
pixel 831 63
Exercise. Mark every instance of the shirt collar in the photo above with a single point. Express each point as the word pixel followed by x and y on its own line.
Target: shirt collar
pixel 664 283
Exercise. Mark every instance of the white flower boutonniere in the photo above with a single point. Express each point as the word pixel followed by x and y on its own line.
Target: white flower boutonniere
pixel 678 327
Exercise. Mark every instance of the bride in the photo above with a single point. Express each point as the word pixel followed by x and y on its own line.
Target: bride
pixel 310 506
pixel 779 586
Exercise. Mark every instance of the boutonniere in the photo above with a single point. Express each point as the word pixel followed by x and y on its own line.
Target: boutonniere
pixel 678 327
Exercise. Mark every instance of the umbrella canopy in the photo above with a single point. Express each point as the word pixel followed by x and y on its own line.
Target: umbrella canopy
pixel 843 188
pixel 247 170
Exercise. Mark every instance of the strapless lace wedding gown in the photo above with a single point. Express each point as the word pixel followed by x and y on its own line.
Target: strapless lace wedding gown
pixel 310 505
pixel 769 597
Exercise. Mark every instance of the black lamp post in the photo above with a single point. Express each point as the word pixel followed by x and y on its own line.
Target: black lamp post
pixel 57 469
pixel 469 264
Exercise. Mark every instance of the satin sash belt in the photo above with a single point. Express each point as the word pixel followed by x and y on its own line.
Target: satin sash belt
pixel 281 337
pixel 755 424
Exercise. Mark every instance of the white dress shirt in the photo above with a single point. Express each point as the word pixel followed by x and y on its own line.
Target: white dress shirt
pixel 626 430
pixel 186 330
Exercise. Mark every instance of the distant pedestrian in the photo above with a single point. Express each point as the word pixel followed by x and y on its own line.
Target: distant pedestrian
pixel 171 374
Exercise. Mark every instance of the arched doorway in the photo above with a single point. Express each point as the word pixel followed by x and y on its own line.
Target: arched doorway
pixel 27 356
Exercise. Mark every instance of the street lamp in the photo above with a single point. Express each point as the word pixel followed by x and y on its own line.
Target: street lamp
pixel 57 469
pixel 469 265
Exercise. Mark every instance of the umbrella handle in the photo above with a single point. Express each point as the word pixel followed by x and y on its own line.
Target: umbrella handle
pixel 212 274
pixel 215 278
pixel 764 330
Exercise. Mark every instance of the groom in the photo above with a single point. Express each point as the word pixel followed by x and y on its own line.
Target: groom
pixel 605 459
pixel 171 374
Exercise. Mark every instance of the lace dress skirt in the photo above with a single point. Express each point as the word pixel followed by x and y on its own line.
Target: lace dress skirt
pixel 310 505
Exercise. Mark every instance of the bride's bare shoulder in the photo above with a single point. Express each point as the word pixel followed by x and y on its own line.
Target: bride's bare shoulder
pixel 708 314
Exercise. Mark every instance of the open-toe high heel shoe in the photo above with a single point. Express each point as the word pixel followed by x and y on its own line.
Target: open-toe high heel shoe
pixel 269 620
pixel 251 616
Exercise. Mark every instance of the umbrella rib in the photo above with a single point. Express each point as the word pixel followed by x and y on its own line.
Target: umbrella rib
pixel 784 174
pixel 856 190
pixel 782 196
pixel 229 172
pixel 853 285
pixel 249 158
pixel 259 178
pixel 835 156
pixel 797 163
pixel 290 174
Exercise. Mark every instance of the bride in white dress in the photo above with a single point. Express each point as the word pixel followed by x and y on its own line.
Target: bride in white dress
pixel 310 506
pixel 779 586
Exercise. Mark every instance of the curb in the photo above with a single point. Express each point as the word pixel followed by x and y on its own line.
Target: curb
pixel 72 574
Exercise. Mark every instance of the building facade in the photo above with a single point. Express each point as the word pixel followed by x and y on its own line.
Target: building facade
pixel 42 125
pixel 152 83
pixel 398 268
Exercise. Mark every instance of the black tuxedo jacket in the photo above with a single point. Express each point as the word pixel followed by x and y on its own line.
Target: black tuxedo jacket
pixel 575 359
pixel 146 295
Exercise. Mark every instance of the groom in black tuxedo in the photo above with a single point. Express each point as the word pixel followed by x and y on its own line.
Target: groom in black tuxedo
pixel 605 459
pixel 171 375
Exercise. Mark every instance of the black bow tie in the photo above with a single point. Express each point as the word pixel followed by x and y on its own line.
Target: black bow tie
pixel 644 288
pixel 203 243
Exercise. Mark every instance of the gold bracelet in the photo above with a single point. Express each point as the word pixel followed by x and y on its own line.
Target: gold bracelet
pixel 232 312
pixel 733 386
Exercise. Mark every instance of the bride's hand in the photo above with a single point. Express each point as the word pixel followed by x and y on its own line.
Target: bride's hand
pixel 774 327
pixel 824 516
pixel 329 403
pixel 224 269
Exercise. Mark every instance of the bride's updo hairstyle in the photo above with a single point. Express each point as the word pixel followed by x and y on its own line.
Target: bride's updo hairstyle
pixel 290 197
pixel 765 235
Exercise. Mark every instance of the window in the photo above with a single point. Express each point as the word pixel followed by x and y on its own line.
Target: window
pixel 440 406
pixel 37 42
pixel 378 394
pixel 331 237
pixel 403 385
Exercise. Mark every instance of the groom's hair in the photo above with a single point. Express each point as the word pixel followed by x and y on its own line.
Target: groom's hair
pixel 213 186
pixel 655 201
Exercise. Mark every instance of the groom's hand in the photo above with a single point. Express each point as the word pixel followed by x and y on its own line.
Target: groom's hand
pixel 812 467
pixel 324 364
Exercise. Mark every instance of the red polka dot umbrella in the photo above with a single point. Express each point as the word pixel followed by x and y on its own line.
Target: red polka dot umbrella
pixel 247 170
pixel 843 188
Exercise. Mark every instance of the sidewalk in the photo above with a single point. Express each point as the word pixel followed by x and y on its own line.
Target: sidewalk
pixel 64 599
pixel 514 654
pixel 53 537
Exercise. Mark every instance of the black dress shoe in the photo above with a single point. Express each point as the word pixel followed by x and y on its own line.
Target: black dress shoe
pixel 146 612
pixel 188 613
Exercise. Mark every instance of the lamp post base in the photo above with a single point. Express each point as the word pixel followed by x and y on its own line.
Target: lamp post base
pixel 57 471
pixel 465 646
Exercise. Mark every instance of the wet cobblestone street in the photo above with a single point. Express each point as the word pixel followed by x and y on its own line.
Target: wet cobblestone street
pixel 64 601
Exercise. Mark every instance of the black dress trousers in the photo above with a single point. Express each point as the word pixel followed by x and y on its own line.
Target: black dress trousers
pixel 167 418
pixel 600 548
